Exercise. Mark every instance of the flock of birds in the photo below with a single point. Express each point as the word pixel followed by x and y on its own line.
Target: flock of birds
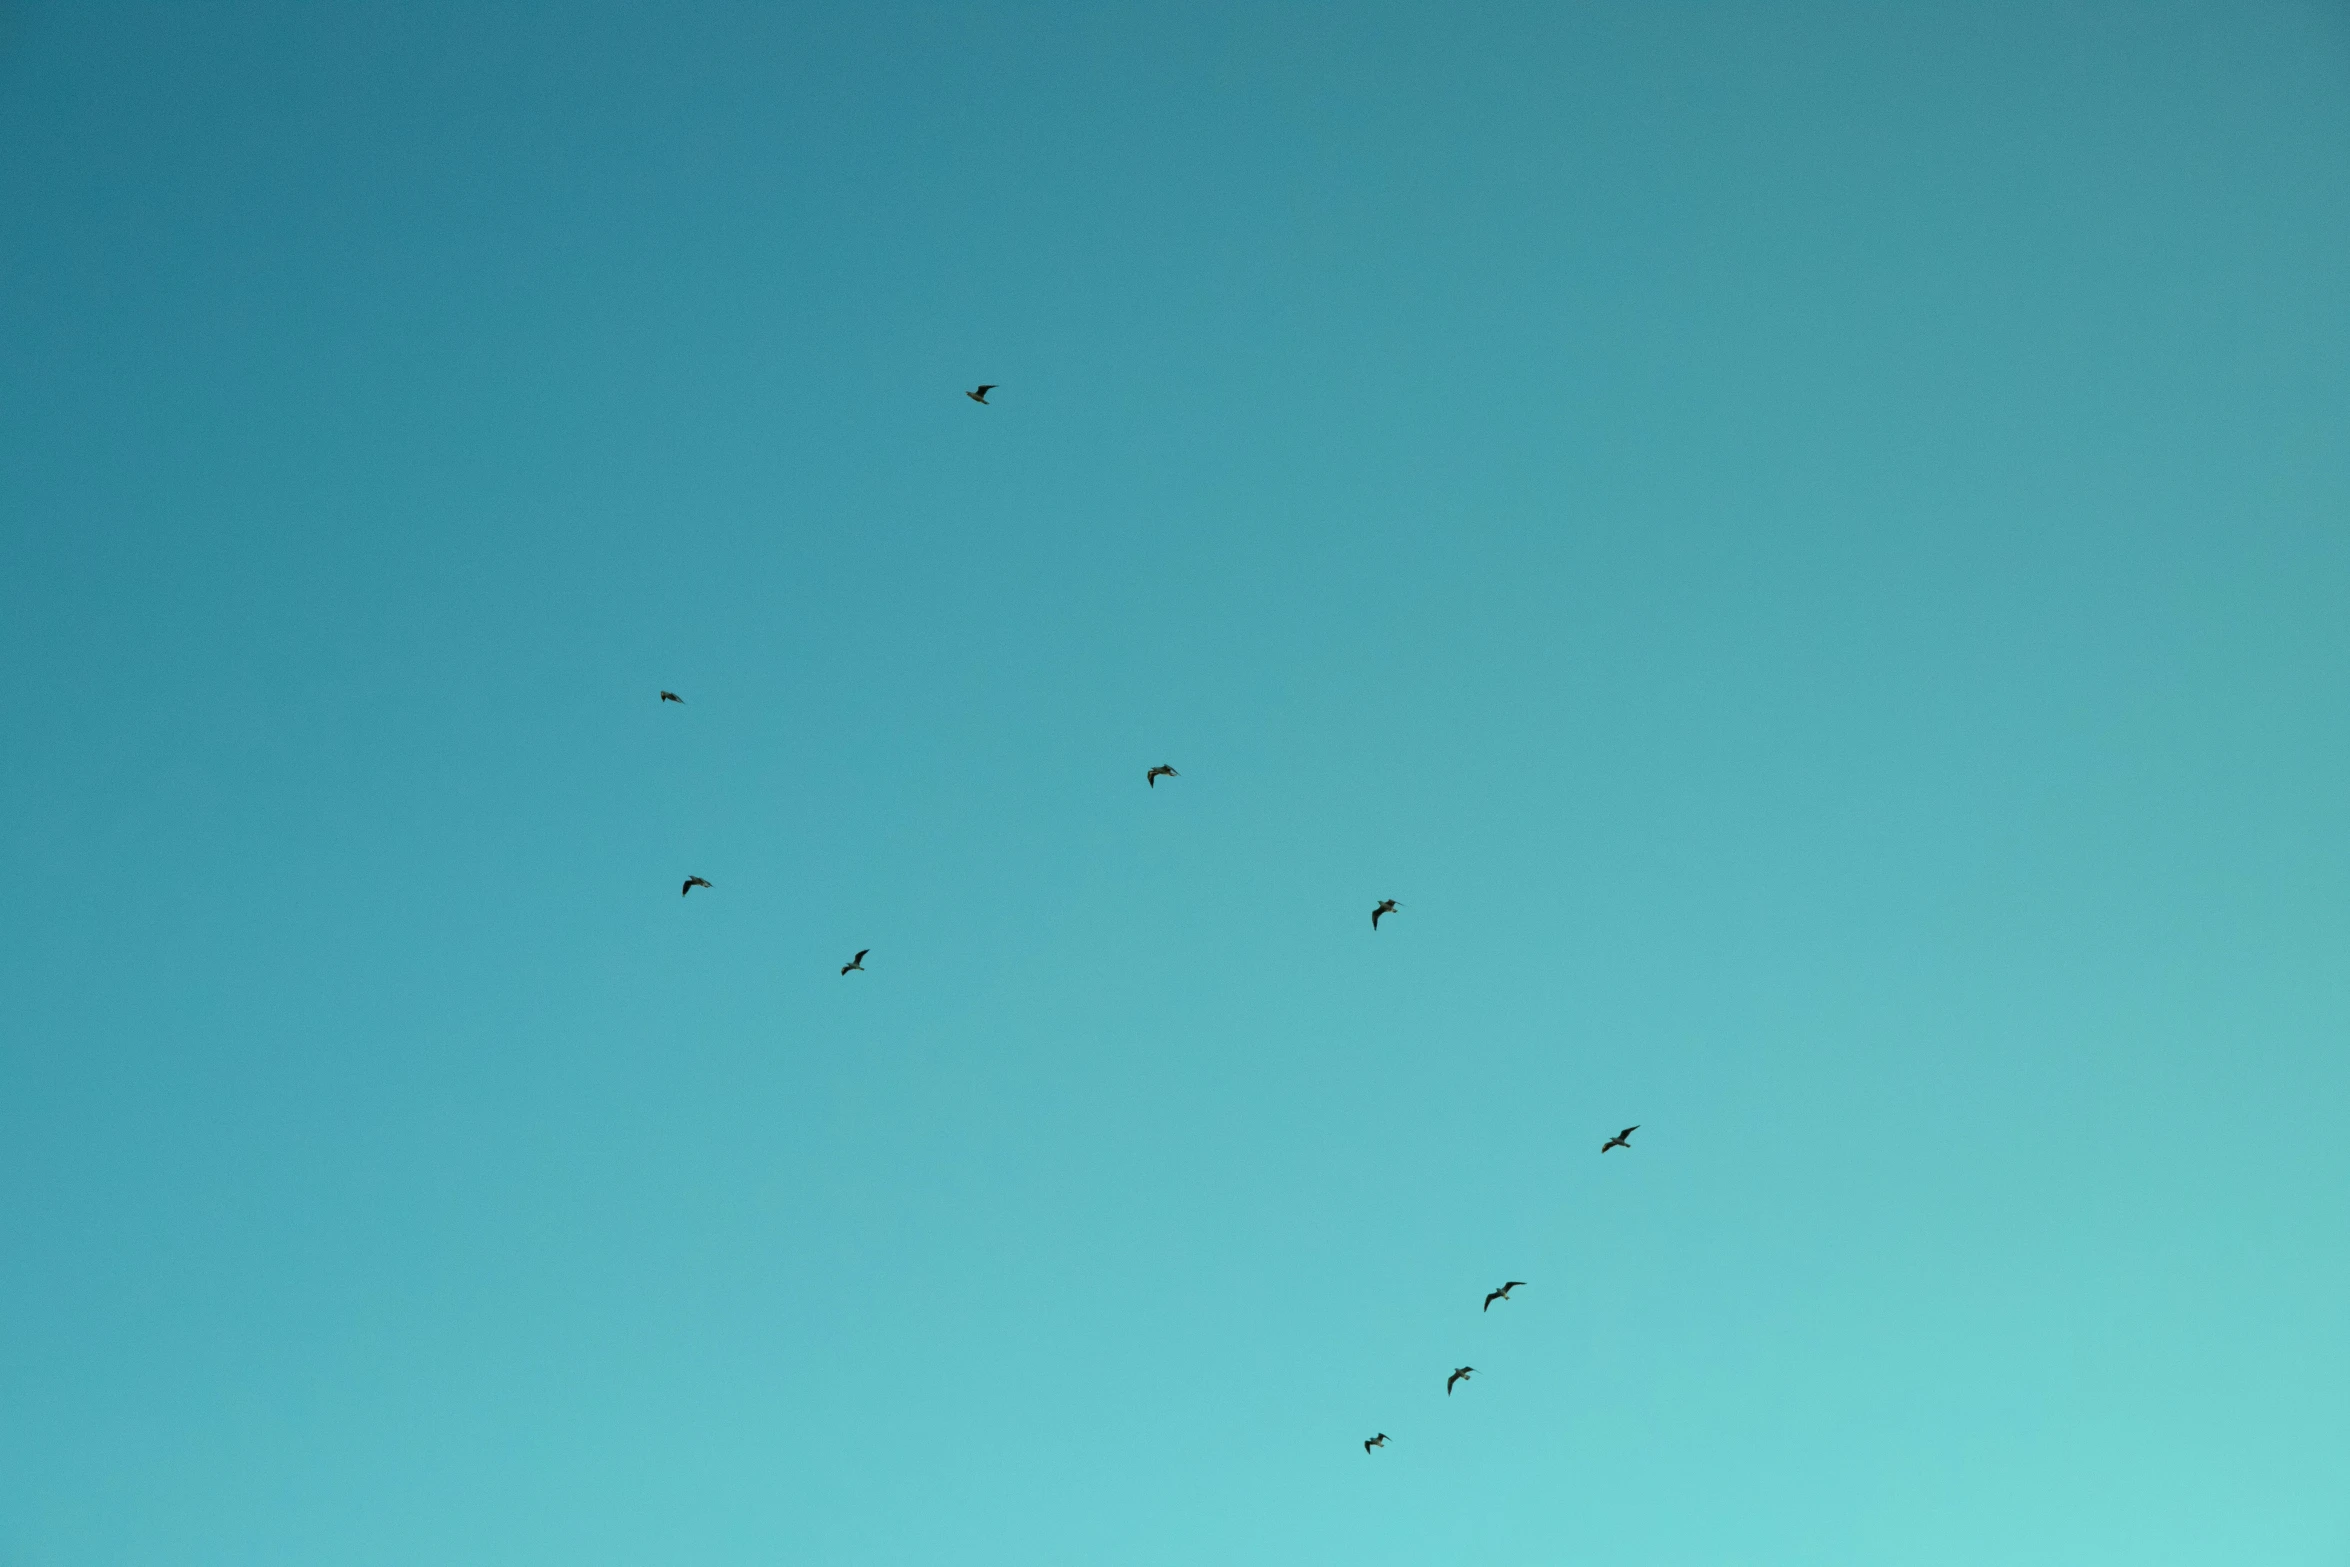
pixel 1622 1139
pixel 1384 906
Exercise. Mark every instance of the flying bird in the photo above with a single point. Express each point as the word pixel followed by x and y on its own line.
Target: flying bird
pixel 1461 1375
pixel 691 882
pixel 1161 771
pixel 1503 1293
pixel 1386 906
pixel 1378 1441
pixel 671 696
pixel 857 963
pixel 980 396
pixel 1622 1139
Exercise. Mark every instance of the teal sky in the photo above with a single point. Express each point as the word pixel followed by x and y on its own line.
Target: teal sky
pixel 1808 545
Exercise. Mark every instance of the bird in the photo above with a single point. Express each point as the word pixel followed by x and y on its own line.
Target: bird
pixel 1386 906
pixel 1161 771
pixel 1503 1293
pixel 1622 1139
pixel 857 963
pixel 691 882
pixel 1378 1441
pixel 1461 1375
pixel 980 396
pixel 671 696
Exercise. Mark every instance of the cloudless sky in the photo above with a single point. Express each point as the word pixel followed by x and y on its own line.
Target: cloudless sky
pixel 1808 545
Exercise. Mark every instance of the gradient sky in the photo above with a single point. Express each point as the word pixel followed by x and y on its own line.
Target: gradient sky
pixel 1809 545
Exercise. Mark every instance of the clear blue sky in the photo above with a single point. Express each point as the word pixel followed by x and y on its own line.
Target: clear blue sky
pixel 1809 545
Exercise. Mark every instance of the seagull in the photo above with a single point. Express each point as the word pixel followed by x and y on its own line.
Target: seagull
pixel 671 696
pixel 1161 771
pixel 980 396
pixel 691 882
pixel 1461 1375
pixel 1503 1293
pixel 1378 1441
pixel 857 963
pixel 1386 906
pixel 1622 1139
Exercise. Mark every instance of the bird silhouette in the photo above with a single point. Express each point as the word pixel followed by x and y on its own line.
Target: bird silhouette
pixel 1461 1375
pixel 980 396
pixel 1503 1293
pixel 1622 1139
pixel 671 696
pixel 857 963
pixel 1378 1441
pixel 1161 771
pixel 691 882
pixel 1386 906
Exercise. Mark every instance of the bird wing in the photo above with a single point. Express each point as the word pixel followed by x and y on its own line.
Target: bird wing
pixel 860 957
pixel 1511 1285
pixel 1375 913
pixel 1626 1132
